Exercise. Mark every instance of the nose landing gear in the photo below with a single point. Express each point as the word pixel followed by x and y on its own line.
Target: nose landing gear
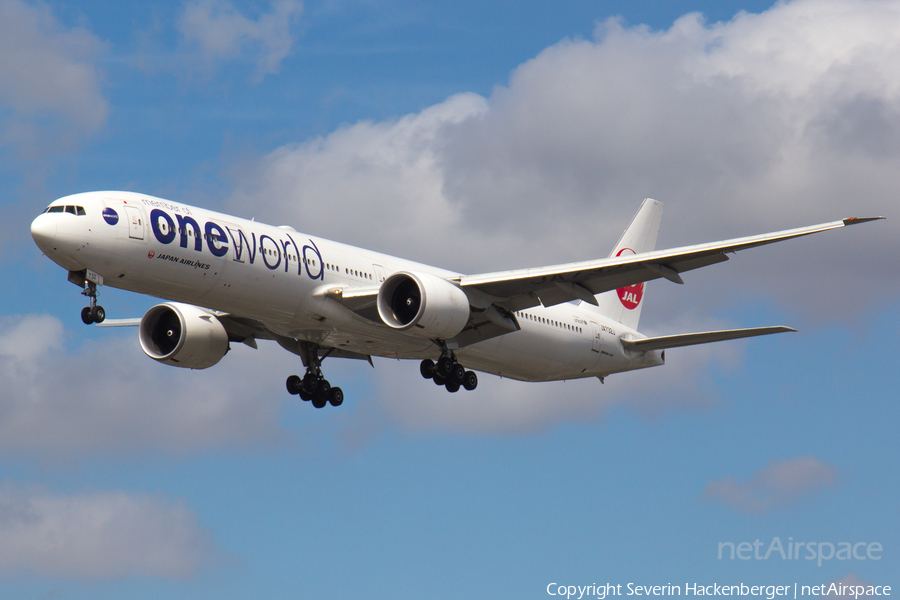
pixel 93 313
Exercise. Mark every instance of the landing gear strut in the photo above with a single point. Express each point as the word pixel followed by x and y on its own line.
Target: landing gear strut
pixel 448 373
pixel 93 313
pixel 313 387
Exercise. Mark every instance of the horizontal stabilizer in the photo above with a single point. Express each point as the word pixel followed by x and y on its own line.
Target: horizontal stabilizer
pixel 692 339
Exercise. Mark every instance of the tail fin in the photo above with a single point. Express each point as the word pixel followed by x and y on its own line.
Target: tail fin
pixel 624 304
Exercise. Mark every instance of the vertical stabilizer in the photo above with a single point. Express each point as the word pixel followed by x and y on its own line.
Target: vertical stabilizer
pixel 624 304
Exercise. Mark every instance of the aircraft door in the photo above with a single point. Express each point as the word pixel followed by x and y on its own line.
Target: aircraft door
pixel 135 222
pixel 596 338
pixel 237 240
pixel 379 274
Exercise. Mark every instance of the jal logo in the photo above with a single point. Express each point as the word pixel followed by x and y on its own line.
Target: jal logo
pixel 110 216
pixel 151 254
pixel 630 296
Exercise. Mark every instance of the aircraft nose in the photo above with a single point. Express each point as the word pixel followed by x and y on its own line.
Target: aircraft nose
pixel 43 230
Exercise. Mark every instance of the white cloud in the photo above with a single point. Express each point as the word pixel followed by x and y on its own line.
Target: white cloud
pixel 738 127
pixel 59 404
pixel 381 182
pixel 98 535
pixel 47 74
pixel 761 123
pixel 779 484
pixel 509 406
pixel 221 32
pixel 105 397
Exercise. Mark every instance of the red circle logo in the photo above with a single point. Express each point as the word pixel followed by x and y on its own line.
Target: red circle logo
pixel 630 296
pixel 151 254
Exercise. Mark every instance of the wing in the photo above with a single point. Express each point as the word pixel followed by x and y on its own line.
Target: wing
pixel 494 296
pixel 247 331
pixel 524 288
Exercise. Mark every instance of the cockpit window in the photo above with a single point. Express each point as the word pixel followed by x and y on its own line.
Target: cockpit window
pixel 72 210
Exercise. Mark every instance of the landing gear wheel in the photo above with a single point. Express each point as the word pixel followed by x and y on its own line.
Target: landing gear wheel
pixel 93 313
pixel 319 402
pixel 457 374
pixel 304 395
pixel 444 366
pixel 294 384
pixel 98 315
pixel 323 389
pixel 470 381
pixel 426 368
pixel 438 380
pixel 310 382
pixel 452 387
pixel 336 396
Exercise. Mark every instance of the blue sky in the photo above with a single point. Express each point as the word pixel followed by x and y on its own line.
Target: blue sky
pixel 476 136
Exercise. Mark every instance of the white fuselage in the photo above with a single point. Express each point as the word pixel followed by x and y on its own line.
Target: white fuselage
pixel 276 276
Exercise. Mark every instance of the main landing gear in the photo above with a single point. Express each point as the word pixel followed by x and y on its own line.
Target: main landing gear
pixel 449 373
pixel 313 387
pixel 93 313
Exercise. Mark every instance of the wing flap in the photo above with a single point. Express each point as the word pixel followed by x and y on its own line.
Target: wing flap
pixel 693 339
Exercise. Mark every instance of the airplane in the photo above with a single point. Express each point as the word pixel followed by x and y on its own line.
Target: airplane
pixel 229 280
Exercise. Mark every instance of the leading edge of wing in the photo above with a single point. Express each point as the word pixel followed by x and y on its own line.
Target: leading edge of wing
pixel 659 263
pixel 706 337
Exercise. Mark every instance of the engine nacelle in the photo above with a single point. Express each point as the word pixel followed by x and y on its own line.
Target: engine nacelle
pixel 182 335
pixel 423 304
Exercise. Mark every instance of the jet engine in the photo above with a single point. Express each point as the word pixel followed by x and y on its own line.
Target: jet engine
pixel 423 304
pixel 182 335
